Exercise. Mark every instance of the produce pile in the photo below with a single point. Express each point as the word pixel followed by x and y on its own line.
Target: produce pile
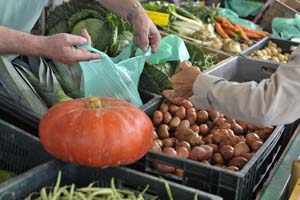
pixel 93 192
pixel 271 52
pixel 204 26
pixel 206 136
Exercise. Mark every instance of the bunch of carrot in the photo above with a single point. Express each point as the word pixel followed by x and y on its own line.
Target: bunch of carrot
pixel 226 29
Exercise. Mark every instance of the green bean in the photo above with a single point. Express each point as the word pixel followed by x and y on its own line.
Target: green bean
pixel 196 197
pixel 168 190
pixel 71 192
pixel 57 182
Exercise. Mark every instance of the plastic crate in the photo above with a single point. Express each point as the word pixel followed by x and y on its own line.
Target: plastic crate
pixel 240 185
pixel 28 120
pixel 19 151
pixel 283 8
pixel 286 45
pixel 46 174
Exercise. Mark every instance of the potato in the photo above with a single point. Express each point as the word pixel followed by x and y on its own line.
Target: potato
pixel 213 114
pixel 241 148
pixel 167 117
pixel 155 136
pixel 229 140
pixel 173 109
pixel 237 128
pixel 251 127
pixel 169 142
pixel 232 168
pixel 203 129
pixel 248 156
pixel 239 162
pixel 217 158
pixel 158 141
pixel 218 135
pixel 219 121
pixel 191 109
pixel 186 103
pixel 200 141
pixel 214 147
pixel 241 138
pixel 184 124
pixel 244 125
pixel 192 117
pixel 208 139
pixel 264 133
pixel 183 134
pixel 182 152
pixel 202 116
pixel 155 147
pixel 175 121
pixel 227 152
pixel 179 172
pixel 181 113
pixel 195 128
pixel 256 145
pixel 226 125
pixel 163 131
pixel 220 166
pixel 184 144
pixel 210 124
pixel 157 118
pixel 193 138
pixel 164 107
pixel 251 137
pixel 166 168
pixel 203 152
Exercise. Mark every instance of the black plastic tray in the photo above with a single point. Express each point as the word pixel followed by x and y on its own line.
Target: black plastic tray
pixel 46 174
pixel 240 185
pixel 28 120
pixel 19 151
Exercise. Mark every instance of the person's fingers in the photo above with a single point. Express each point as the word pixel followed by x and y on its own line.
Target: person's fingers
pixel 154 39
pixel 85 55
pixel 183 75
pixel 74 40
pixel 87 36
pixel 171 96
pixel 141 39
pixel 183 65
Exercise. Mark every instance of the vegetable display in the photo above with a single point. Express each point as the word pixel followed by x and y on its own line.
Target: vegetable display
pixel 96 131
pixel 271 52
pixel 205 136
pixel 93 192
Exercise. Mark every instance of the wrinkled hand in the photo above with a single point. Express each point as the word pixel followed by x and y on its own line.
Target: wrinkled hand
pixel 61 47
pixel 146 31
pixel 182 82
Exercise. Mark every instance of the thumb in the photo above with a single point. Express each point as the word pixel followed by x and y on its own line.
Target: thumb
pixel 76 40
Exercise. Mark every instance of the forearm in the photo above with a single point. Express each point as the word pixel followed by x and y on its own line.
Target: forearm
pixel 16 42
pixel 119 7
pixel 271 102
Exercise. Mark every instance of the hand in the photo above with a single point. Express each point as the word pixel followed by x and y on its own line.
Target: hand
pixel 61 47
pixel 146 31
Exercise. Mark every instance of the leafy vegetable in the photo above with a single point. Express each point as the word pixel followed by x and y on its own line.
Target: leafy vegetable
pixel 19 88
pixel 42 78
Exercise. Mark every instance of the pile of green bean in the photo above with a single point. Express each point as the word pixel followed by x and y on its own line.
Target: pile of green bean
pixel 90 192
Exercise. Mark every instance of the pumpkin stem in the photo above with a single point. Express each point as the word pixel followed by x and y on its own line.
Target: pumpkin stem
pixel 95 103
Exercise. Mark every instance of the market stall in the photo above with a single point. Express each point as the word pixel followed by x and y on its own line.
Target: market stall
pixel 68 134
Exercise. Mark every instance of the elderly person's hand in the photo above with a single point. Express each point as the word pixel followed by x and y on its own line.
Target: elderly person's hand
pixel 182 82
pixel 146 31
pixel 61 47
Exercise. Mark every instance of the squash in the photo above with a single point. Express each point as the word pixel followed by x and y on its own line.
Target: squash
pixel 96 131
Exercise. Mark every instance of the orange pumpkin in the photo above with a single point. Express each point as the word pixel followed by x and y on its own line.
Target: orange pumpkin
pixel 96 132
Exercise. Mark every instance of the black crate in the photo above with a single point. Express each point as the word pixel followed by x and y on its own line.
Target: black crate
pixel 28 120
pixel 240 185
pixel 19 151
pixel 46 174
pixel 286 46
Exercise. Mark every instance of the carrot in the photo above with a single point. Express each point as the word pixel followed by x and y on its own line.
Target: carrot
pixel 224 21
pixel 220 30
pixel 230 26
pixel 243 34
pixel 246 29
pixel 253 36
pixel 230 32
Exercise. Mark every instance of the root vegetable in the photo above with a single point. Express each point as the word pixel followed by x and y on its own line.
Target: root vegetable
pixel 202 116
pixel 203 152
pixel 184 144
pixel 169 142
pixel 175 121
pixel 217 158
pixel 241 148
pixel 164 107
pixel 195 128
pixel 239 162
pixel 173 109
pixel 157 118
pixel 163 131
pixel 227 152
pixel 203 129
pixel 167 117
pixel 182 152
pixel 181 113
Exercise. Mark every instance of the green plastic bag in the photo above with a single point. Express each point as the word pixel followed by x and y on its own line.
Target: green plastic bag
pixel 234 18
pixel 244 8
pixel 171 48
pixel 113 77
pixel 286 28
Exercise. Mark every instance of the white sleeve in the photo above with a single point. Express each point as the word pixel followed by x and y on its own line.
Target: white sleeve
pixel 273 101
